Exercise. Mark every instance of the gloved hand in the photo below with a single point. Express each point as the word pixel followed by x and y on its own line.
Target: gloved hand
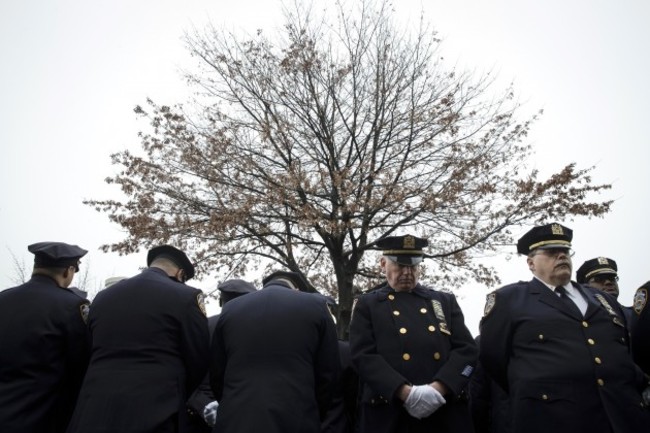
pixel 210 413
pixel 646 396
pixel 422 401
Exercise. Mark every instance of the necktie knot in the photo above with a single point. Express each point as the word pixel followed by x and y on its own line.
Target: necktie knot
pixel 560 290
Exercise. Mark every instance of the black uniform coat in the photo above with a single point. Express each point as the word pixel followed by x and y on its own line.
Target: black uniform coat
pixel 563 372
pixel 403 338
pixel 341 416
pixel 44 351
pixel 150 350
pixel 274 362
pixel 488 402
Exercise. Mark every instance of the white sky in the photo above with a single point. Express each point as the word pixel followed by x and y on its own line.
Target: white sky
pixel 72 71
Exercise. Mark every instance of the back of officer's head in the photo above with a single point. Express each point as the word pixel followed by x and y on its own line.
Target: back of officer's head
pixel 233 288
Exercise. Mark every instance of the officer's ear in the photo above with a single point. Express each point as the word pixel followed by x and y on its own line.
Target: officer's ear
pixel 180 275
pixel 530 262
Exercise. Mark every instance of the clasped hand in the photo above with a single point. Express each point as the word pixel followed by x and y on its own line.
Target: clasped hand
pixel 423 400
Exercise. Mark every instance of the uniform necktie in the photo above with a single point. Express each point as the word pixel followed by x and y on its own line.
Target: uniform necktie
pixel 568 301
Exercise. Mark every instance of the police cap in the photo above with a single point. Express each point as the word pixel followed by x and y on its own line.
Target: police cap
pixel 177 256
pixel 597 266
pixel 547 236
pixel 296 278
pixel 235 285
pixel 405 250
pixel 56 255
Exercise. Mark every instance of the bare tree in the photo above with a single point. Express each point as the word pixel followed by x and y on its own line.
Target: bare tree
pixel 20 271
pixel 303 149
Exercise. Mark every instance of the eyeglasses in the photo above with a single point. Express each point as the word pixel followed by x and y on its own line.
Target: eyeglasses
pixel 554 252
pixel 604 278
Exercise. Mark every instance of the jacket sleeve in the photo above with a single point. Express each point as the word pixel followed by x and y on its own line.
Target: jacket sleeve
pixel 328 365
pixel 372 368
pixel 455 373
pixel 194 341
pixel 495 329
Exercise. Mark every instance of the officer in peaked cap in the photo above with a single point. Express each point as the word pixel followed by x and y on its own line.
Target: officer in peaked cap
pixel 50 369
pixel 558 347
pixel 411 348
pixel 177 257
pixel 150 332
pixel 601 273
pixel 277 344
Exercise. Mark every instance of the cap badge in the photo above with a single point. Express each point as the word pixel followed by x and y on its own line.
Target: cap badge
pixel 409 242
pixel 556 229
pixel 602 261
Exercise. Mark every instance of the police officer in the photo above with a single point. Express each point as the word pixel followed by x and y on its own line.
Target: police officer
pixel 274 359
pixel 641 328
pixel 202 405
pixel 602 273
pixel 560 349
pixel 150 350
pixel 413 353
pixel 44 343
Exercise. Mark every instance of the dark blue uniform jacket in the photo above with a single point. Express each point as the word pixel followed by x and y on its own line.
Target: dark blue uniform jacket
pixel 563 372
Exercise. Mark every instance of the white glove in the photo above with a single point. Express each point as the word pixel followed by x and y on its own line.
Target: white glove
pixel 210 413
pixel 422 401
pixel 646 396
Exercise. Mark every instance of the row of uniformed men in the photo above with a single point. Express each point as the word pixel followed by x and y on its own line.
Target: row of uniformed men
pixel 561 355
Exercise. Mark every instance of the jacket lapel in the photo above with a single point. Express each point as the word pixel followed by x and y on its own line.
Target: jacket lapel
pixel 548 297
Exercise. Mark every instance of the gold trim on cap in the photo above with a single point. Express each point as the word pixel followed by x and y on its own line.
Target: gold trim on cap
pixel 402 252
pixel 600 271
pixel 555 241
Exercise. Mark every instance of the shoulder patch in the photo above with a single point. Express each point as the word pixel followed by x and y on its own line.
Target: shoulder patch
pixel 640 300
pixel 84 310
pixel 490 301
pixel 200 300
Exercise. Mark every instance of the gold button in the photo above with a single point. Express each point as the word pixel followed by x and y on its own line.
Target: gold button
pixel 406 357
pixel 585 324
pixel 402 330
pixel 396 313
pixel 544 397
pixel 423 310
pixel 598 361
pixel 601 382
pixel 540 336
pixel 391 296
pixel 432 328
pixel 436 356
pixel 591 341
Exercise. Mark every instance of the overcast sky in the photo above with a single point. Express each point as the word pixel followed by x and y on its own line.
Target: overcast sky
pixel 73 70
